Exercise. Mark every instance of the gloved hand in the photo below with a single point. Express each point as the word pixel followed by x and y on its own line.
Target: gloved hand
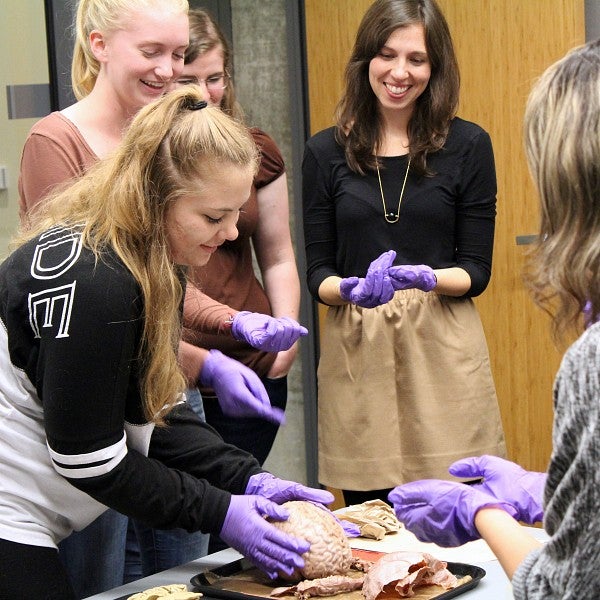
pixel 266 546
pixel 442 512
pixel 506 481
pixel 351 530
pixel 266 333
pixel 420 277
pixel 239 390
pixel 374 289
pixel 280 490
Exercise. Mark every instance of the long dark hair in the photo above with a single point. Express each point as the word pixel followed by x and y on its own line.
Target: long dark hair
pixel 357 114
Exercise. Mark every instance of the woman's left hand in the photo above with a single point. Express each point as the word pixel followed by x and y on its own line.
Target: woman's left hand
pixel 420 277
pixel 442 512
pixel 239 390
pixel 280 490
pixel 267 333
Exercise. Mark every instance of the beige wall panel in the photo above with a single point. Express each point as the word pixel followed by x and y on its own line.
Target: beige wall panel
pixel 23 60
pixel 502 46
pixel 330 29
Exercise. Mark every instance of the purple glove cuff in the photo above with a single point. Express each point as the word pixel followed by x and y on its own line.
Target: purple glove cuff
pixel 535 510
pixel 207 370
pixel 429 281
pixel 257 481
pixel 589 317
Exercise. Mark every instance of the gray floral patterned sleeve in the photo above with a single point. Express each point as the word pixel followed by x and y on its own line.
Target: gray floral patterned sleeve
pixel 568 566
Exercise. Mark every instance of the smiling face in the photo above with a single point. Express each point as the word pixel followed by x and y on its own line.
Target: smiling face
pixel 139 60
pixel 399 73
pixel 197 224
pixel 207 71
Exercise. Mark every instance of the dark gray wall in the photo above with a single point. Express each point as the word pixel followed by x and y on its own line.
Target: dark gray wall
pixel 592 19
pixel 268 63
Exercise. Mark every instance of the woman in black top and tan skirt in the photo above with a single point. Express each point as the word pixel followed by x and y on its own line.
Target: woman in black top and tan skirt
pixel 399 210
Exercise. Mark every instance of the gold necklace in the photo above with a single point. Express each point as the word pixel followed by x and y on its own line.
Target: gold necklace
pixel 391 217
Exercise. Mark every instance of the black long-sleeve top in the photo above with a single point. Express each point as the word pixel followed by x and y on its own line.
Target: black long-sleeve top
pixel 73 437
pixel 445 221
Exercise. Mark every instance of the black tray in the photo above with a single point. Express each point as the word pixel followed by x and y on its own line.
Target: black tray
pixel 201 583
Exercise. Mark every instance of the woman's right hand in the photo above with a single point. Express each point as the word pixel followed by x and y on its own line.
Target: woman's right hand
pixel 375 288
pixel 238 388
pixel 267 547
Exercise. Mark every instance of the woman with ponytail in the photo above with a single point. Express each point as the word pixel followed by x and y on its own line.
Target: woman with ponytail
pixel 91 397
pixel 127 54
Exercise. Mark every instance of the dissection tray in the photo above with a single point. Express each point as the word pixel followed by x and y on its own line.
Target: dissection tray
pixel 240 580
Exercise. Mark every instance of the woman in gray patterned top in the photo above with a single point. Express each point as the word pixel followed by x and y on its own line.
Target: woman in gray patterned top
pixel 562 138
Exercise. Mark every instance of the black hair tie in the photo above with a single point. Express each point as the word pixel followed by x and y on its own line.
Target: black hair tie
pixel 196 104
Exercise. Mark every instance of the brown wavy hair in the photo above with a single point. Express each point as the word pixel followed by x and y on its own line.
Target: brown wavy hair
pixel 205 35
pixel 122 201
pixel 359 128
pixel 562 142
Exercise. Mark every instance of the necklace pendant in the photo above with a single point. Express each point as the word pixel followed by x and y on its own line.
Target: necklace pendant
pixel 392 217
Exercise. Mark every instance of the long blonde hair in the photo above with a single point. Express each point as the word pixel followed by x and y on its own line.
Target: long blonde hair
pixel 562 141
pixel 106 16
pixel 121 204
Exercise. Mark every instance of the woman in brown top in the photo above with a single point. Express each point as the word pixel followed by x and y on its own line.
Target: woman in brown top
pixel 229 278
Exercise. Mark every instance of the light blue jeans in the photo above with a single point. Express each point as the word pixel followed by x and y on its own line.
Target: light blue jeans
pixel 152 550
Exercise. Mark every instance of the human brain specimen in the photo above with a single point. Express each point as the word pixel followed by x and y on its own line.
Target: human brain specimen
pixel 330 552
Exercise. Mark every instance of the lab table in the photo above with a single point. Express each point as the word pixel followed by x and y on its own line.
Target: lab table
pixel 494 586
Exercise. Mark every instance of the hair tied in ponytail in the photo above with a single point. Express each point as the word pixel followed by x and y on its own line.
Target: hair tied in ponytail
pixel 195 104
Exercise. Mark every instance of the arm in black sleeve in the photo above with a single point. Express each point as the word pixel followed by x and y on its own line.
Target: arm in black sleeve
pixel 87 374
pixel 319 222
pixel 185 481
pixel 476 213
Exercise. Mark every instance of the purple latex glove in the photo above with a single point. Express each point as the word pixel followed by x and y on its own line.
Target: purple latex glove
pixel 442 512
pixel 266 546
pixel 506 481
pixel 280 490
pixel 420 277
pixel 351 530
pixel 266 333
pixel 239 390
pixel 589 318
pixel 374 289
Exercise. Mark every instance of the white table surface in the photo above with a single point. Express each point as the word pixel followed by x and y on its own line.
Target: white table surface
pixel 494 586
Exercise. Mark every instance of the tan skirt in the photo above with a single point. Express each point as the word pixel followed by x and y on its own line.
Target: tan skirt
pixel 405 389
